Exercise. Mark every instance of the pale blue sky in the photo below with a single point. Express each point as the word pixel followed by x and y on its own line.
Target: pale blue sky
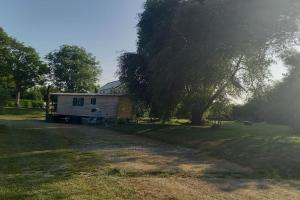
pixel 103 27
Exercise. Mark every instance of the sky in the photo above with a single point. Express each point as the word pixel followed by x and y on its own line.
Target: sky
pixel 104 27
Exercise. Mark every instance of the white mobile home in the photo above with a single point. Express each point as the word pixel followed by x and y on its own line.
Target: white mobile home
pixel 91 105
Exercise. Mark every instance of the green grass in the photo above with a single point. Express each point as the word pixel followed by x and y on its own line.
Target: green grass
pixel 271 150
pixel 40 163
pixel 44 163
pixel 21 113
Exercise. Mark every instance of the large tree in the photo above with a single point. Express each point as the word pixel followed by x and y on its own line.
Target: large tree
pixel 73 69
pixel 199 52
pixel 20 64
pixel 27 69
pixel 5 43
pixel 4 75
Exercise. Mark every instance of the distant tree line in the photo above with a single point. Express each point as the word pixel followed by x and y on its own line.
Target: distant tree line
pixel 195 54
pixel 23 73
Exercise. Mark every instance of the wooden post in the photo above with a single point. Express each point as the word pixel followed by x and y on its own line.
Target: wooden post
pixel 18 96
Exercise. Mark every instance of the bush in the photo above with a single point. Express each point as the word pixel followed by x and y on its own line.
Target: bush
pixel 37 104
pixel 34 93
pixel 116 121
pixel 216 126
pixel 122 121
pixel 110 121
pixel 11 103
pixel 4 96
pixel 26 104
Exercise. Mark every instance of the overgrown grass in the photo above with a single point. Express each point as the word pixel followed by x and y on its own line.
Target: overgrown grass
pixel 270 150
pixel 21 113
pixel 40 163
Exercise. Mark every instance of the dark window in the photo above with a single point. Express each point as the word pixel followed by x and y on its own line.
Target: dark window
pixel 93 101
pixel 74 101
pixel 78 101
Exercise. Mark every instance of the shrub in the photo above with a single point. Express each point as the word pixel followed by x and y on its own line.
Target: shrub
pixel 33 94
pixel 110 121
pixel 122 121
pixel 216 126
pixel 11 103
pixel 24 103
pixel 37 104
pixel 4 96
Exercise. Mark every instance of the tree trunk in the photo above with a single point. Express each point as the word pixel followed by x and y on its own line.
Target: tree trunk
pixel 48 101
pixel 18 96
pixel 198 116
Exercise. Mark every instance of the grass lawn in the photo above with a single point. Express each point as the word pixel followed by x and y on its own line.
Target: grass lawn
pixel 60 161
pixel 21 113
pixel 268 149
pixel 40 163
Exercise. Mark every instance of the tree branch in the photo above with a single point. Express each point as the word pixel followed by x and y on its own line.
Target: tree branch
pixel 221 90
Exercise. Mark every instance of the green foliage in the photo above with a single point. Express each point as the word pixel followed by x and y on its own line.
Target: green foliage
pixel 34 93
pixel 184 59
pixel 5 42
pixel 24 103
pixel 11 104
pixel 21 113
pixel 122 121
pixel 21 65
pixel 220 111
pixel 279 104
pixel 42 163
pixel 73 69
pixel 4 96
pixel 27 68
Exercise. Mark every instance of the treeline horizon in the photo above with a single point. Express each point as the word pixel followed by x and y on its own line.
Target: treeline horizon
pixel 25 74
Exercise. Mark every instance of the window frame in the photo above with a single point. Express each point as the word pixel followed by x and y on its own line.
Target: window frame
pixel 75 101
pixel 93 101
pixel 78 101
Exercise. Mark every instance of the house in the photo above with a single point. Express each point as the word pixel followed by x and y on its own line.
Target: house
pixel 76 106
pixel 115 87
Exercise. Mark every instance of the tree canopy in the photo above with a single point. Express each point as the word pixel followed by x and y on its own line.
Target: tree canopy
pixel 200 52
pixel 20 64
pixel 73 69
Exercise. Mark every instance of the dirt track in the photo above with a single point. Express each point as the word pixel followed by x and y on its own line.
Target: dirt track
pixel 160 171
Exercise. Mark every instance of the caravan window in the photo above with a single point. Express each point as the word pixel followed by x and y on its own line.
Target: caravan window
pixel 93 101
pixel 78 101
pixel 74 101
